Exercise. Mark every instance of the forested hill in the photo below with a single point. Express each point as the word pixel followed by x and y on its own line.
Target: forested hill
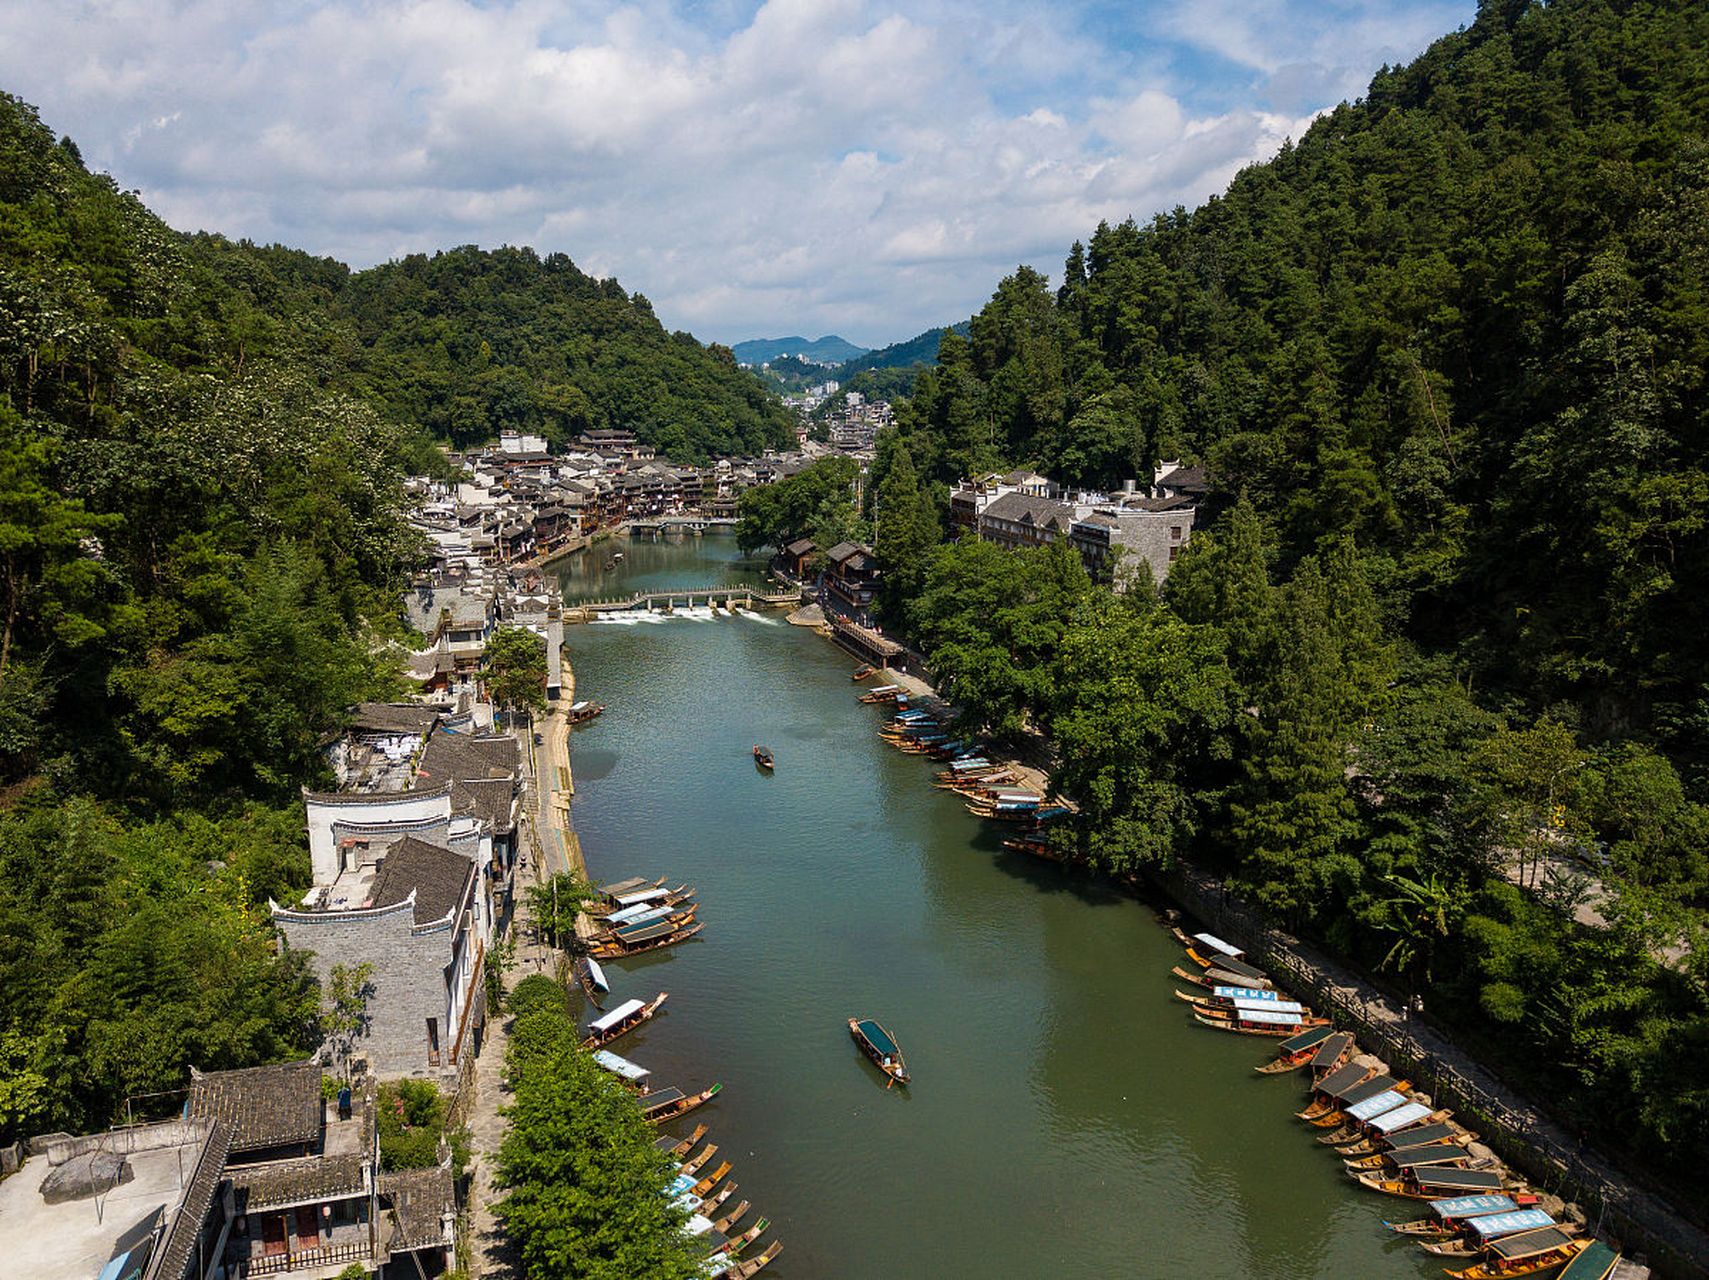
pixel 921 349
pixel 1464 321
pixel 469 343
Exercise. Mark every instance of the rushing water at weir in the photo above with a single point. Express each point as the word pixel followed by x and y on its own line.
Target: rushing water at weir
pixel 1067 1118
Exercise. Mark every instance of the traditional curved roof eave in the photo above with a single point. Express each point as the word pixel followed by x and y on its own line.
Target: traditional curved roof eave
pixel 282 914
pixel 378 797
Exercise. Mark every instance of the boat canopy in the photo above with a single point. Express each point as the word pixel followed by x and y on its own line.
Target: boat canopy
pixel 1491 1225
pixel 620 1066
pixel 1459 1179
pixel 660 1098
pixel 1367 1089
pixel 580 706
pixel 628 914
pixel 647 932
pixel 885 688
pixel 680 1185
pixel 1244 1003
pixel 1528 1244
pixel 1018 796
pixel 625 1010
pixel 1231 965
pixel 1399 1118
pixel 623 886
pixel 636 897
pixel 1426 1157
pixel 1594 1263
pixel 1229 978
pixel 1238 994
pixel 1330 1051
pixel 975 762
pixel 1269 1017
pixel 1441 1131
pixel 697 1225
pixel 1293 1044
pixel 1375 1105
pixel 1340 1079
pixel 596 973
pixel 1217 944
pixel 878 1038
pixel 1471 1206
pixel 645 918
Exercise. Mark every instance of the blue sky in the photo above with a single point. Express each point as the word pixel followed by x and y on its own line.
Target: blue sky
pixel 757 169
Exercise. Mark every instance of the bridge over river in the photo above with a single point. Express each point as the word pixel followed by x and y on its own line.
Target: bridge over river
pixel 728 598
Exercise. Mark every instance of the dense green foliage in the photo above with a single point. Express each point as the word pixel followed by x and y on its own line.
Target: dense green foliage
pixel 514 665
pixel 818 502
pixel 1440 628
pixel 470 343
pixel 584 1182
pixel 412 1121
pixel 909 356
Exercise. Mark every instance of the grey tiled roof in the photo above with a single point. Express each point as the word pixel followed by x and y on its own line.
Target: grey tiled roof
pixel 177 1250
pixel 1025 508
pixel 262 1106
pixel 393 717
pixel 419 1198
pixel 491 799
pixel 438 878
pixel 293 1181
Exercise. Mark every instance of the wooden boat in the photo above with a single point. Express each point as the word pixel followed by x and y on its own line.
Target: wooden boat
pixel 1435 1156
pixel 638 900
pixel 1434 1183
pixel 695 1164
pixel 879 1045
pixel 1417 1136
pixel 722 1225
pixel 1305 1048
pixel 711 1180
pixel 752 1267
pixel 1596 1261
pixel 883 693
pixel 764 758
pixel 1478 1232
pixel 1448 1216
pixel 1365 1102
pixel 674 1148
pixel 723 1193
pixel 1228 964
pixel 1221 978
pixel 621 1021
pixel 1349 1090
pixel 1396 1122
pixel 1524 1254
pixel 863 672
pixel 1253 1022
pixel 591 978
pixel 617 948
pixel 670 1102
pixel 1394 1157
pixel 1326 1092
pixel 736 1244
pixel 676 916
pixel 613 893
pixel 582 712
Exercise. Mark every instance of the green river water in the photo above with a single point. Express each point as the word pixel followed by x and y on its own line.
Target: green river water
pixel 1067 1118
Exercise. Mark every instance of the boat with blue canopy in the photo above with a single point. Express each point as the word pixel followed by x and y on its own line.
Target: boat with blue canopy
pixel 1448 1216
pixel 1376 1105
pixel 879 1045
pixel 1478 1232
pixel 631 1072
pixel 1253 1022
pixel 621 1021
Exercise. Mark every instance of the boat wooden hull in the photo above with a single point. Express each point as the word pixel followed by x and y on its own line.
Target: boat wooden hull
pixel 1221 1025
pixel 895 1069
pixel 681 1107
pixel 687 1144
pixel 696 1163
pixel 605 951
pixel 753 1266
pixel 722 1225
pixel 1524 1266
pixel 640 1016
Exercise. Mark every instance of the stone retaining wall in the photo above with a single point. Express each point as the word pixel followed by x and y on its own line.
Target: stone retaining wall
pixel 1516 1128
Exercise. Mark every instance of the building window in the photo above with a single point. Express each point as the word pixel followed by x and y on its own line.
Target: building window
pixel 433 1042
pixel 1174 554
pixel 1174 533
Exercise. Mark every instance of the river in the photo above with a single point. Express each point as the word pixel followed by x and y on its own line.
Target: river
pixel 1067 1117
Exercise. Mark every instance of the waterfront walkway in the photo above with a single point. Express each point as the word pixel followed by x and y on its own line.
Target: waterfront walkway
pixel 551 848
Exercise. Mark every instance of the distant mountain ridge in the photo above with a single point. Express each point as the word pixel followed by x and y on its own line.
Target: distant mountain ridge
pixel 829 349
pixel 921 349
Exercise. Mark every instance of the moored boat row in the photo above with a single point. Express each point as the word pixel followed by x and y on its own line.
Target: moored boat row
pixel 1390 1137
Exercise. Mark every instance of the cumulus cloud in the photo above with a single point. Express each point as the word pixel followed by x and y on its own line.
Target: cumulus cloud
pixel 798 165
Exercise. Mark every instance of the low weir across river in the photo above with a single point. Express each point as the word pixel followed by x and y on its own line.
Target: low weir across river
pixel 1066 1117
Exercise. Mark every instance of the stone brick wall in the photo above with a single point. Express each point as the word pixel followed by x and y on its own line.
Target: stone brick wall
pixel 409 979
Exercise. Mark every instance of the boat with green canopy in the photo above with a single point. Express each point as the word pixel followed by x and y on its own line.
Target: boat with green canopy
pixel 1296 1051
pixel 1595 1262
pixel 879 1045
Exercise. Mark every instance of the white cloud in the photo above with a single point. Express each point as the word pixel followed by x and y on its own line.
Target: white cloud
pixel 819 165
